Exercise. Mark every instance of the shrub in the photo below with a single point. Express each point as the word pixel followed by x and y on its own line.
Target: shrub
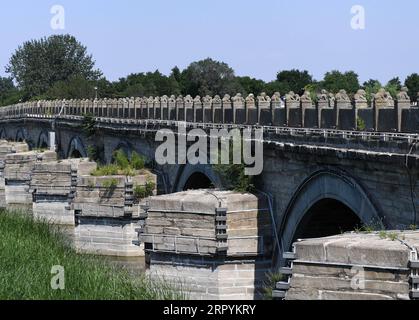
pixel 121 160
pixel 110 184
pixel 360 124
pixel 88 125
pixel 137 162
pixel 142 192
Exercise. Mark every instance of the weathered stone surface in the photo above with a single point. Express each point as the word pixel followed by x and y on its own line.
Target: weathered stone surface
pixel 355 266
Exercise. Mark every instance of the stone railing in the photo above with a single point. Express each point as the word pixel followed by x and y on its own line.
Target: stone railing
pixel 328 111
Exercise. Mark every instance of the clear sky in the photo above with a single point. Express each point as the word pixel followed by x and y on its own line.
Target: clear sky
pixel 256 38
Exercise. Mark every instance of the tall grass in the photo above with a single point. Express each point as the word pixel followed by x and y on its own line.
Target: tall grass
pixel 28 251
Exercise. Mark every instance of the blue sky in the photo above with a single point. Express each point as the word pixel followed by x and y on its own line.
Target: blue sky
pixel 257 38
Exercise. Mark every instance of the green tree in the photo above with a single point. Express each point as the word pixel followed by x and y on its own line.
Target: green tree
pixel 209 77
pixel 38 64
pixel 371 87
pixel 335 80
pixel 9 94
pixel 394 86
pixel 293 80
pixel 412 82
pixel 251 85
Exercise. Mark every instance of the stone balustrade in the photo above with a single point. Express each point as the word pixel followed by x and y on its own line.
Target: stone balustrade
pixel 384 113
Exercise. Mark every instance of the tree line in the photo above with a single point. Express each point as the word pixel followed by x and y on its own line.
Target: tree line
pixel 59 67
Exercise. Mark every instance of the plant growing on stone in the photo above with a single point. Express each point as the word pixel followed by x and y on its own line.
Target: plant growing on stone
pixel 142 192
pixel 137 162
pixel 393 236
pixel 121 160
pixel 233 176
pixel 89 125
pixel 382 234
pixel 360 124
pixel 271 278
pixel 110 184
pixel 93 153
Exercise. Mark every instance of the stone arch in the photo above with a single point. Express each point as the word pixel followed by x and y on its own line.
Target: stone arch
pixel 188 172
pixel 21 135
pixel 328 185
pixel 3 134
pixel 124 146
pixel 76 149
pixel 43 140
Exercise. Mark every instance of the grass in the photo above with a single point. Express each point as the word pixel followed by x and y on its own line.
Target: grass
pixel 270 282
pixel 29 250
pixel 122 165
pixel 141 192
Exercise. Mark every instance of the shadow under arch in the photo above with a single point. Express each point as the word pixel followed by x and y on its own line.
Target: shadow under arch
pixel 126 147
pixel 3 134
pixel 43 140
pixel 21 135
pixel 196 176
pixel 343 193
pixel 76 149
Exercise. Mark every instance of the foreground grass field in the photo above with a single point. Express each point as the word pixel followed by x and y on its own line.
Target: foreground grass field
pixel 29 250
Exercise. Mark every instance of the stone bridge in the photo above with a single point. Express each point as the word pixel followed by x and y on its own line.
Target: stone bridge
pixel 329 165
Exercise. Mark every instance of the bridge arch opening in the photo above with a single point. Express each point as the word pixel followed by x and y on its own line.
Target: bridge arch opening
pixel 327 195
pixel 325 218
pixel 198 180
pixel 75 154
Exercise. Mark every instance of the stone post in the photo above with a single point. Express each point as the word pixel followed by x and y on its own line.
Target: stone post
pixel 293 109
pixel 172 108
pixel 308 111
pixel 384 112
pixel 264 110
pixel 189 111
pixel 278 111
pixel 197 110
pixel 207 109
pixel 239 111
pixel 251 110
pixel 345 113
pixel 402 103
pixel 217 111
pixel 227 110
pixel 164 107
pixel 180 109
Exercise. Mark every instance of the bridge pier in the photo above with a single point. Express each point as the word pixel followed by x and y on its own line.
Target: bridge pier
pixel 216 244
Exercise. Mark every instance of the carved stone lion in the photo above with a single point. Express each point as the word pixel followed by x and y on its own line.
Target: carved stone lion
pixel 276 97
pixel 361 96
pixel 306 97
pixel 403 94
pixel 291 96
pixel 342 96
pixel 323 96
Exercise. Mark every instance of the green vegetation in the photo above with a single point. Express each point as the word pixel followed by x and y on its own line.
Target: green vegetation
pixel 122 165
pixel 110 184
pixel 89 125
pixel 59 67
pixel 29 250
pixel 142 192
pixel 360 124
pixel 270 283
pixel 232 175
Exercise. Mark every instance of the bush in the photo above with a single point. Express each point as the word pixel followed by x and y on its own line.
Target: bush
pixel 137 162
pixel 121 160
pixel 110 184
pixel 142 192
